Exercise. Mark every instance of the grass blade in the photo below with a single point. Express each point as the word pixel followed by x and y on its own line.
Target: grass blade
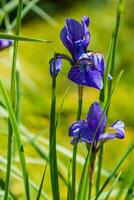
pixel 130 192
pixel 112 187
pixel 21 38
pixel 41 185
pixel 40 12
pixel 18 138
pixel 69 188
pixel 124 157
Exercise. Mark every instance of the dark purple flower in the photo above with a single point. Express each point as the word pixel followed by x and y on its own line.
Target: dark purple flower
pixel 5 43
pixel 87 68
pixel 75 36
pixel 87 131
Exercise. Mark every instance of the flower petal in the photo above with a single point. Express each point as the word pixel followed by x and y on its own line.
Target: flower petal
pixel 5 43
pixel 74 30
pixel 85 23
pixel 81 131
pixel 87 76
pixel 76 36
pixel 98 60
pixel 77 128
pixel 67 43
pixel 93 117
pixel 120 134
pixel 57 64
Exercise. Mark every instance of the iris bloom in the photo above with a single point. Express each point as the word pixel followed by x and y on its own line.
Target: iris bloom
pixel 87 131
pixel 5 43
pixel 87 68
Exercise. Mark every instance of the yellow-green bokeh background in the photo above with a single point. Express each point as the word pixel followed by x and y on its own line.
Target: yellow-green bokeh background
pixel 36 81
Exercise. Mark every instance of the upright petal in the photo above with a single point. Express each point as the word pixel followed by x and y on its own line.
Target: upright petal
pixel 74 30
pixel 75 36
pixel 86 33
pixel 57 64
pixel 67 43
pixel 94 116
pixel 87 76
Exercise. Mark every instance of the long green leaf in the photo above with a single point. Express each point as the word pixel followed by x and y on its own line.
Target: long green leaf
pixel 18 138
pixel 69 188
pixel 112 187
pixel 21 38
pixel 17 175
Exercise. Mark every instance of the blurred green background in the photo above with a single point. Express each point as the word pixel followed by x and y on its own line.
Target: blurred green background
pixel 36 81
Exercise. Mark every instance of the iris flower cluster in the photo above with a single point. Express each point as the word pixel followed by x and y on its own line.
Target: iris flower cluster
pixel 87 69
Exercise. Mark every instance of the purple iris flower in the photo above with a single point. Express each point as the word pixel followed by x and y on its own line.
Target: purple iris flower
pixel 76 37
pixel 84 130
pixel 5 43
pixel 87 68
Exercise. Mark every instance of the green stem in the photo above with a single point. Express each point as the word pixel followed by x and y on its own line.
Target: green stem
pixel 80 99
pixel 98 179
pixel 115 170
pixel 13 98
pixel 93 156
pixel 52 144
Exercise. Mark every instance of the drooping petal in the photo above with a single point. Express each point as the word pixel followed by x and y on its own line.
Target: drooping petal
pixel 119 127
pixel 57 64
pixel 5 43
pixel 120 134
pixel 77 128
pixel 94 116
pixel 98 60
pixel 87 76
pixel 109 136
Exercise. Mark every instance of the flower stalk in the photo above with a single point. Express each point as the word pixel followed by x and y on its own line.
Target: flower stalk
pixel 80 100
pixel 52 136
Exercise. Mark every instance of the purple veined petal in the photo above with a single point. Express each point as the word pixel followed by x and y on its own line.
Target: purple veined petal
pixel 93 117
pixel 79 49
pixel 110 136
pixel 57 64
pixel 74 30
pixel 81 131
pixel 5 43
pixel 98 60
pixel 86 76
pixel 86 20
pixel 77 128
pixel 67 43
pixel 119 127
pixel 120 134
